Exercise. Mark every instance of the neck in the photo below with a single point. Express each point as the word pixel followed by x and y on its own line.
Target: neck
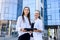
pixel 25 15
pixel 36 18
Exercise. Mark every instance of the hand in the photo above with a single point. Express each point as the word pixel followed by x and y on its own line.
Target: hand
pixel 22 30
pixel 37 30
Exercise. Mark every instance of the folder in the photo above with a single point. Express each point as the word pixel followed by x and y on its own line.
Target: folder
pixel 30 29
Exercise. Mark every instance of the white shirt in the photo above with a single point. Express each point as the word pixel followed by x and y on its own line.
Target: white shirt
pixel 21 24
pixel 39 25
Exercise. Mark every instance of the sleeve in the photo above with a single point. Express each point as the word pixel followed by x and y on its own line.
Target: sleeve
pixel 41 27
pixel 18 25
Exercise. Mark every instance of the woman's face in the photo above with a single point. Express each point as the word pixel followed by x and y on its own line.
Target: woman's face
pixel 36 14
pixel 26 11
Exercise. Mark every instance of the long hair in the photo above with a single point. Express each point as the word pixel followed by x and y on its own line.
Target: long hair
pixel 28 16
pixel 39 14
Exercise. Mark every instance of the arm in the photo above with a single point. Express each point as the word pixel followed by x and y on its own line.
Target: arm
pixel 40 28
pixel 18 26
pixel 37 30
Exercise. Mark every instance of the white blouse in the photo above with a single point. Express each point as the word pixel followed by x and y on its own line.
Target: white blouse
pixel 39 25
pixel 21 24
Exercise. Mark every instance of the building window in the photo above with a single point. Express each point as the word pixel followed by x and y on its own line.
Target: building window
pixel 41 1
pixel 49 17
pixel 59 10
pixel 41 11
pixel 49 6
pixel 59 13
pixel 6 10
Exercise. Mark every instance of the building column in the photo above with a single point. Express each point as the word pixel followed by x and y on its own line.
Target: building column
pixel 0 29
pixel 0 26
pixel 9 28
pixel 58 33
pixel 38 5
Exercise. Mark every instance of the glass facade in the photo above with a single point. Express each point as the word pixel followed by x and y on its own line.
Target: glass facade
pixel 8 9
pixel 52 12
pixel 52 17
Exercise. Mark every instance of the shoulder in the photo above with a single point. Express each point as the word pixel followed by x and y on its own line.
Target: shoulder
pixel 20 17
pixel 40 21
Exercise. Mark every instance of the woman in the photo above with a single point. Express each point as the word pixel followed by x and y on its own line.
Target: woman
pixel 37 34
pixel 23 22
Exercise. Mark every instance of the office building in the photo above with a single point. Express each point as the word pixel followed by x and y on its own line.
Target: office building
pixel 9 12
pixel 52 15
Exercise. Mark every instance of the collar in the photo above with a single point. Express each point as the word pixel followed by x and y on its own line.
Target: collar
pixel 37 19
pixel 25 16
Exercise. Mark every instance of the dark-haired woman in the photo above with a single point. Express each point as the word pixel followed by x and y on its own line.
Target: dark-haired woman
pixel 37 34
pixel 24 22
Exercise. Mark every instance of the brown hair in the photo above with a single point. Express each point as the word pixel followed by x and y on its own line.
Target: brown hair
pixel 28 16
